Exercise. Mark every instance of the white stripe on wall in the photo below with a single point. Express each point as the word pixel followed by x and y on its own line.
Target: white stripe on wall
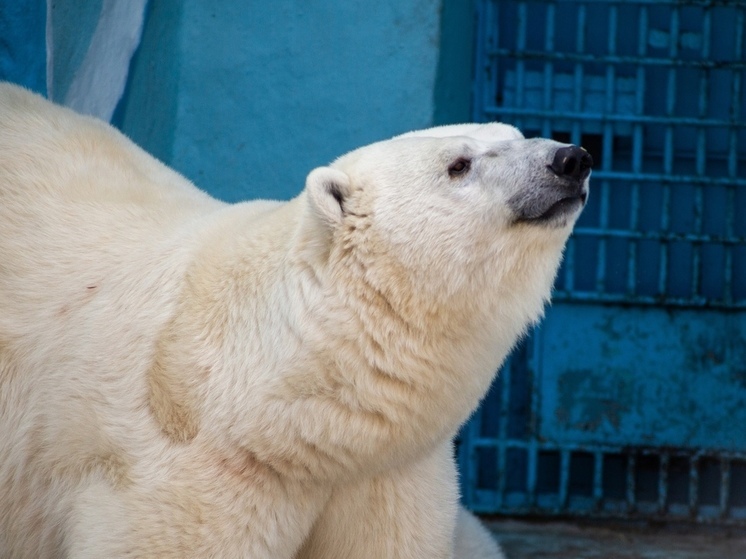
pixel 99 81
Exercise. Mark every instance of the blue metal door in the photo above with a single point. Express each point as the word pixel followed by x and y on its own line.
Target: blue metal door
pixel 630 399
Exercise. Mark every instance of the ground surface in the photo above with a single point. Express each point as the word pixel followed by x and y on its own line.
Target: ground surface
pixel 555 540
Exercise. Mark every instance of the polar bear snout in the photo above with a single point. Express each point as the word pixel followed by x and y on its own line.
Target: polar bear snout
pixel 572 162
pixel 557 189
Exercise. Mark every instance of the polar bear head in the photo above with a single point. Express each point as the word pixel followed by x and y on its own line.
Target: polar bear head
pixel 431 253
pixel 368 316
pixel 455 210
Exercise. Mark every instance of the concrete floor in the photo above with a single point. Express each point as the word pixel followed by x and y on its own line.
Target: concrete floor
pixel 557 540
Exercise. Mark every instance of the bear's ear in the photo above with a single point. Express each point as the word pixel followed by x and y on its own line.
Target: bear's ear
pixel 328 191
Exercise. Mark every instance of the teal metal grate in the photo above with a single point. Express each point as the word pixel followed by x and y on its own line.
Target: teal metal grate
pixel 655 91
pixel 629 400
pixel 509 467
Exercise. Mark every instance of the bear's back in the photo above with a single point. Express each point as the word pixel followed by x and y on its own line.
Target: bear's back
pixel 82 210
pixel 48 150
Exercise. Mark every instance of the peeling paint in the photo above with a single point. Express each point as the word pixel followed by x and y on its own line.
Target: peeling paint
pixel 643 376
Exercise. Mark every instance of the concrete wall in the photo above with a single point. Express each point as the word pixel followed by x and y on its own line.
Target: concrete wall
pixel 246 97
pixel 22 44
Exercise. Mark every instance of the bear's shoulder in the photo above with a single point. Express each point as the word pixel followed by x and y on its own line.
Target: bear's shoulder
pixel 49 150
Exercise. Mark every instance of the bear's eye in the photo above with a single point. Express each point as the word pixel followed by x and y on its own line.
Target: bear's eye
pixel 459 167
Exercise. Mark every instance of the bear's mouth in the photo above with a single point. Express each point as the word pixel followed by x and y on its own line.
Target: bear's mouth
pixel 563 207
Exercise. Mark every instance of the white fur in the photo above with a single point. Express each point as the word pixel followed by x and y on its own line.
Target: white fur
pixel 185 378
pixel 473 539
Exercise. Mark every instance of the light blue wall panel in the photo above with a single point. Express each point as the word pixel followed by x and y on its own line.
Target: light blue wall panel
pixel 453 85
pixel 73 24
pixel 147 111
pixel 267 91
pixel 22 43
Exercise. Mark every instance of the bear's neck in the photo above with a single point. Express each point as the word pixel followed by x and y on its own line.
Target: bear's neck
pixel 335 378
pixel 382 376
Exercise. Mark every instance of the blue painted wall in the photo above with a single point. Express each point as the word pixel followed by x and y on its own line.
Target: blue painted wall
pixel 245 98
pixel 23 43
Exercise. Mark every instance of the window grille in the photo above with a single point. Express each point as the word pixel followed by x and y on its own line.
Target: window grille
pixel 655 91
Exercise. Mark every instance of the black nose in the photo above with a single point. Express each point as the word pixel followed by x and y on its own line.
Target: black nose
pixel 572 162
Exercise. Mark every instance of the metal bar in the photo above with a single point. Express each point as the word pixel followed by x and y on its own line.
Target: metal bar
pixel 668 148
pixel 531 474
pixel 704 83
pixel 578 73
pixel 523 54
pixel 666 205
pixel 502 460
pixel 607 152
pixel 546 128
pixel 671 179
pixel 730 204
pixel 733 158
pixel 658 236
pixel 637 143
pixel 735 105
pixel 724 488
pixel 564 478
pixel 603 224
pixel 606 449
pixel 648 300
pixel 696 269
pixel 693 485
pixel 700 159
pixel 608 515
pixel 663 482
pixel 520 73
pixel 634 203
pixel 631 482
pixel 598 479
pixel 575 136
pixel 534 369
pixel 485 73
pixel 570 265
pixel 468 453
pixel 576 114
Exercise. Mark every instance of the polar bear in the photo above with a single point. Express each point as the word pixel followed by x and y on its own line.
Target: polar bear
pixel 181 377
